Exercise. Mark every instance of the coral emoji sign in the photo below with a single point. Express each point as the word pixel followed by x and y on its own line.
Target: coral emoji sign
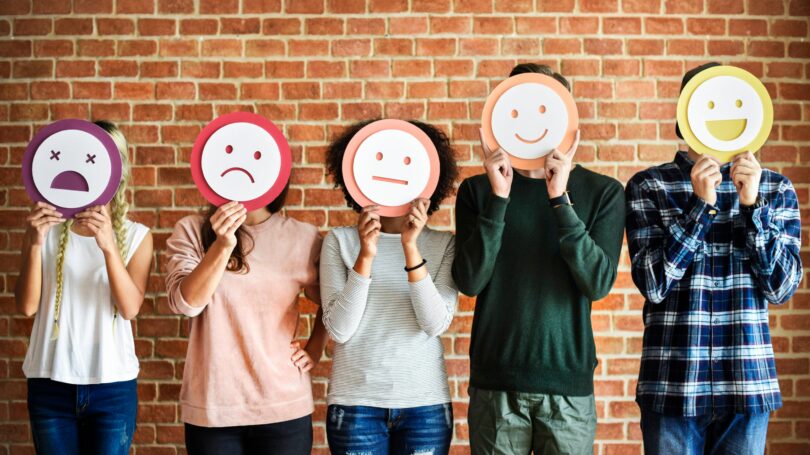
pixel 71 164
pixel 241 157
pixel 390 163
pixel 528 116
pixel 724 111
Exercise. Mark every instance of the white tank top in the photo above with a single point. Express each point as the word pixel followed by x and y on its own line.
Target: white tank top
pixel 88 349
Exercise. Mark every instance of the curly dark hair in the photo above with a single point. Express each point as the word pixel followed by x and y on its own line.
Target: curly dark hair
pixel 447 162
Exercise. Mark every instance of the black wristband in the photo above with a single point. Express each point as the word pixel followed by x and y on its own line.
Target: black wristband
pixel 411 269
pixel 565 199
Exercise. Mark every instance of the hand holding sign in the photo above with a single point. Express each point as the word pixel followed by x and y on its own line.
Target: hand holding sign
pixel 71 164
pixel 499 169
pixel 724 111
pixel 558 168
pixel 241 157
pixel 528 116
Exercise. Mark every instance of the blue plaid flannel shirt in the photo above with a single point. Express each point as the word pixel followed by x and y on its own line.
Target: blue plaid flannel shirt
pixel 707 278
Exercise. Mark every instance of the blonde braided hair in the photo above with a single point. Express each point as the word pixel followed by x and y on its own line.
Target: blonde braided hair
pixel 119 208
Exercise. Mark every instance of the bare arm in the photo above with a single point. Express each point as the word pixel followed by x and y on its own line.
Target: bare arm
pixel 28 291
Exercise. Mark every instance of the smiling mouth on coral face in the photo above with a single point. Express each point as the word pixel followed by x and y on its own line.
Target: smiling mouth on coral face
pixel 726 130
pixel 532 141
pixel 238 169
pixel 389 180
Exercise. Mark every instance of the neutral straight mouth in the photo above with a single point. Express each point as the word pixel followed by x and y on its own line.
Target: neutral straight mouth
pixel 389 180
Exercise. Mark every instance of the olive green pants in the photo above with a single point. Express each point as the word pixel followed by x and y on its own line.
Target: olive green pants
pixel 507 423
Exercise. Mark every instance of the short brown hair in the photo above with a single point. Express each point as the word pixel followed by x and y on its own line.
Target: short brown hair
pixel 542 69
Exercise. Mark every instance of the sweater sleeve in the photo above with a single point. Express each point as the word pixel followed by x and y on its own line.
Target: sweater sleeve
pixel 478 239
pixel 773 236
pixel 312 288
pixel 344 292
pixel 660 255
pixel 434 300
pixel 184 252
pixel 593 256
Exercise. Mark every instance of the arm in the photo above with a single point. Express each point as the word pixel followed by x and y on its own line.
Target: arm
pixel 593 257
pixel 661 254
pixel 344 292
pixel 28 290
pixel 434 299
pixel 773 237
pixel 128 283
pixel 478 239
pixel 193 275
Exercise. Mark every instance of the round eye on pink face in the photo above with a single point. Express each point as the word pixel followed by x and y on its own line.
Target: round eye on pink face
pixel 390 163
pixel 241 157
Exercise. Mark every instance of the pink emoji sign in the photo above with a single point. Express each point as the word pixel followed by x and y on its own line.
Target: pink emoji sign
pixel 241 157
pixel 528 116
pixel 390 163
pixel 72 164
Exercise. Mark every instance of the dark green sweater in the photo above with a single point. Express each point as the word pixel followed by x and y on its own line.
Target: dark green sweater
pixel 536 271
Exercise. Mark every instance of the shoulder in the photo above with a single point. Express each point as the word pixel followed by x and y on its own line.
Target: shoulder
pixel 774 182
pixel 343 236
pixel 437 239
pixel 599 182
pixel 657 177
pixel 476 183
pixel 299 229
pixel 193 222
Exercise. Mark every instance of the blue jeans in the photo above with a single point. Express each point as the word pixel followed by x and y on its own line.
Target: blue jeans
pixel 69 419
pixel 378 431
pixel 737 434
pixel 291 437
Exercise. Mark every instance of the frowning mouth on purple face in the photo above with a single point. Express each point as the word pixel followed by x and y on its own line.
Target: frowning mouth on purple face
pixel 532 141
pixel 240 170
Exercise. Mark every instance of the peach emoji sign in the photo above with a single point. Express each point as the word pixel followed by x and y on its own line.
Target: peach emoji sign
pixel 724 111
pixel 528 116
pixel 241 157
pixel 71 164
pixel 390 163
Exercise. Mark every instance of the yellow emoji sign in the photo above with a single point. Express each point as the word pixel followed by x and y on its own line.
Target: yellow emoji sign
pixel 724 111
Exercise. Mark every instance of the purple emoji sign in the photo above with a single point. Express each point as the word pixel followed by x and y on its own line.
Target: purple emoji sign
pixel 71 164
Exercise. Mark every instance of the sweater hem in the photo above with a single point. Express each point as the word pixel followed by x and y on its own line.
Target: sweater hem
pixel 232 416
pixel 565 383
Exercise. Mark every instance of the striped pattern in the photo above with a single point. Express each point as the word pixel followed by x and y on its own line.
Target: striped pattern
pixel 708 280
pixel 388 352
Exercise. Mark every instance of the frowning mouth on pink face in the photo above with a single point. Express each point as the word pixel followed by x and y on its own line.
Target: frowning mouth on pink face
pixel 240 170
pixel 532 141
pixel 389 180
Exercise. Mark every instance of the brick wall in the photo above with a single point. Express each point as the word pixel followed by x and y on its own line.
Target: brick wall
pixel 163 68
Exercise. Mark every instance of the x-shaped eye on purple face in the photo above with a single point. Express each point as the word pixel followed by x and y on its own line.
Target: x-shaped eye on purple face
pixel 91 159
pixel 55 155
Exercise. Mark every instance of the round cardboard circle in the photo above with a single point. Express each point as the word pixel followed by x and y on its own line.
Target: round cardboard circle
pixel 285 157
pixel 531 78
pixel 367 131
pixel 67 125
pixel 728 74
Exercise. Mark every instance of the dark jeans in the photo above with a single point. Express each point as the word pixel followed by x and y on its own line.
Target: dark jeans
pixel 378 431
pixel 292 437
pixel 69 419
pixel 737 434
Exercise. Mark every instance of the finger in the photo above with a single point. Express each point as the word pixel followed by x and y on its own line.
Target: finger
pixel 46 220
pixel 45 205
pixel 298 354
pixel 573 150
pixel 371 209
pixel 484 146
pixel 237 224
pixel 307 366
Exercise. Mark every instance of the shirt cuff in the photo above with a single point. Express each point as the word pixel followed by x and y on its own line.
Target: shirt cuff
pixel 566 216
pixel 757 219
pixel 495 209
pixel 182 305
pixel 701 213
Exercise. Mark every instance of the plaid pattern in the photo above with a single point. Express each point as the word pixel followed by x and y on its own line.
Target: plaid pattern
pixel 708 279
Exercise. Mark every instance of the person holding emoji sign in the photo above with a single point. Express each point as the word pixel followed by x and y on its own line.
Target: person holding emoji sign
pixel 237 272
pixel 84 272
pixel 538 240
pixel 713 237
pixel 387 291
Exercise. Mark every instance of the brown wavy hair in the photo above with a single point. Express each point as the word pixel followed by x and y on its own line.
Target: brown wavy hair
pixel 244 241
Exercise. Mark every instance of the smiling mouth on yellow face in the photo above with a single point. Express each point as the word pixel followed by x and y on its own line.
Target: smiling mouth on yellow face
pixel 726 130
